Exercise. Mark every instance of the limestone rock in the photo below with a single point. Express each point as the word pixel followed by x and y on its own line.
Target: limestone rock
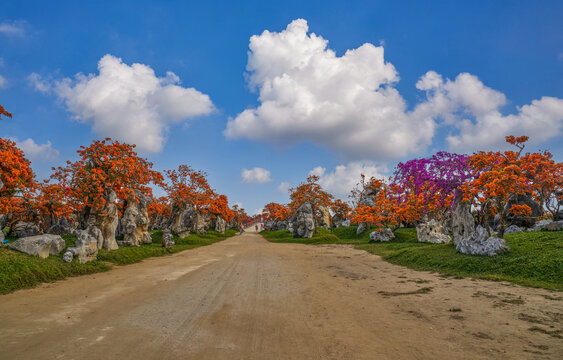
pixel 24 229
pixel 381 235
pixel 361 228
pixel 305 222
pixel 463 224
pixel 3 220
pixel 1 236
pixel 202 222
pixel 512 229
pixel 346 223
pixel 39 245
pixel 554 226
pixel 432 232
pixel 135 222
pixel 68 256
pixel 183 221
pixel 325 216
pixel 86 248
pixel 220 224
pixel 541 224
pixel 167 241
pixel 479 243
pixel 336 221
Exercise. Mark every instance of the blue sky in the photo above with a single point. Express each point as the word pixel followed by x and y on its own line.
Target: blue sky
pixel 308 109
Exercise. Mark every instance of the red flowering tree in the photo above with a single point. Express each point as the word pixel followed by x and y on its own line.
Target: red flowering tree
pixel 17 183
pixel 105 166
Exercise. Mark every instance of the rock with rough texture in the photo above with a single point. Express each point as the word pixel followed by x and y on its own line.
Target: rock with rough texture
pixel 3 220
pixel 463 224
pixel 167 241
pixel 523 220
pixel 1 236
pixel 281 225
pixel 479 243
pixel 220 224
pixel 135 222
pixel 512 229
pixel 39 245
pixel 554 226
pixel 24 229
pixel 432 232
pixel 183 221
pixel 290 223
pixel 202 222
pixel 325 216
pixel 381 236
pixel 107 220
pixel 68 256
pixel 87 244
pixel 346 223
pixel 541 224
pixel 336 221
pixel 361 228
pixel 305 222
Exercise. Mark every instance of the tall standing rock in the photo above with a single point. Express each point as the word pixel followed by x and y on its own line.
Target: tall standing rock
pixel 305 222
pixel 182 221
pixel 463 224
pixel 135 222
pixel 86 246
pixel 367 199
pixel 106 220
pixel 325 217
pixel 220 224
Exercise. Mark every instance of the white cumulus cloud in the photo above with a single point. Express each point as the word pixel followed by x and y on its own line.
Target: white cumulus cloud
pixel 284 187
pixel 349 104
pixel 344 178
pixel 38 152
pixel 13 28
pixel 255 176
pixel 345 103
pixel 473 110
pixel 128 102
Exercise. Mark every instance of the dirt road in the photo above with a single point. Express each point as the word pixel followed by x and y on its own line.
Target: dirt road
pixel 245 298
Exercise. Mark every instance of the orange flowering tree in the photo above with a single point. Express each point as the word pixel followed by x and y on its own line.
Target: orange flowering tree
pixel 17 183
pixel 545 178
pixel 312 192
pixel 187 186
pixel 341 209
pixel 240 215
pixel 158 209
pixel 104 166
pixel 276 212
pixel 3 112
pixel 219 207
pixel 382 211
pixel 499 175
pixel 51 203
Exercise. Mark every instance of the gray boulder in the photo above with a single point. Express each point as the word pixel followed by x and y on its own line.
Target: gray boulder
pixel 1 236
pixel 24 229
pixel 336 221
pixel 479 243
pixel 220 224
pixel 135 222
pixel 554 226
pixel 3 221
pixel 183 221
pixel 432 232
pixel 39 245
pixel 361 228
pixel 167 241
pixel 87 245
pixel 381 236
pixel 541 224
pixel 346 223
pixel 305 222
pixel 512 229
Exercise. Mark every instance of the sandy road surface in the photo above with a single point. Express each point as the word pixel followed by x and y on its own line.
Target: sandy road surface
pixel 245 298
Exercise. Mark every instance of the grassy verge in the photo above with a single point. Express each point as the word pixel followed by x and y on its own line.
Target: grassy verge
pixel 535 258
pixel 18 270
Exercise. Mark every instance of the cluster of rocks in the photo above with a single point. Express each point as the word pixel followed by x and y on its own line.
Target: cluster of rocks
pixel 184 221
